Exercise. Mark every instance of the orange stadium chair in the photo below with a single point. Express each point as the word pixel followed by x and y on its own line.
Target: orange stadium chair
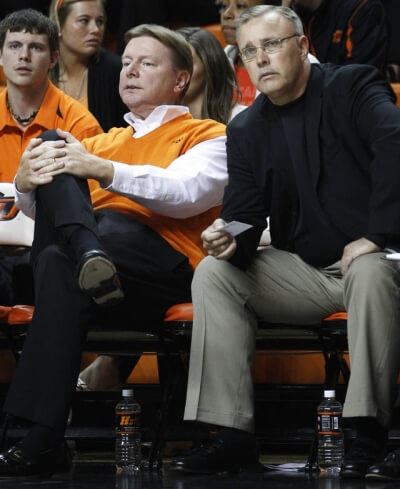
pixel 396 89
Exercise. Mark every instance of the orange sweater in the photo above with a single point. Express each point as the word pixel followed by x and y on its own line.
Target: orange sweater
pixel 160 147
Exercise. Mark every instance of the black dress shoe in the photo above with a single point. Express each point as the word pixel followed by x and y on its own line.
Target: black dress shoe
pixel 17 463
pixel 228 450
pixel 389 469
pixel 361 456
pixel 98 278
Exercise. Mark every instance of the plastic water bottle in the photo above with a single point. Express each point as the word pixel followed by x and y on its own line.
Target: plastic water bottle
pixel 330 434
pixel 126 480
pixel 128 456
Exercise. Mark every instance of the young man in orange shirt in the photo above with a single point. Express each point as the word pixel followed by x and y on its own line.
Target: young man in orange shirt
pixel 29 105
pixel 156 183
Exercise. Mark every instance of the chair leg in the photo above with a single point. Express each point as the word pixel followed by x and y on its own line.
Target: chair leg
pixel 332 370
pixel 171 367
pixel 12 343
pixel 4 431
pixel 333 361
pixel 311 465
pixel 344 369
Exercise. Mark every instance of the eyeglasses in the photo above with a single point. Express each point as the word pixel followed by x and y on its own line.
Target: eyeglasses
pixel 269 46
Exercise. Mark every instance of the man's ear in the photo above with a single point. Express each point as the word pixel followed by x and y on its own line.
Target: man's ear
pixel 304 46
pixel 182 81
pixel 54 55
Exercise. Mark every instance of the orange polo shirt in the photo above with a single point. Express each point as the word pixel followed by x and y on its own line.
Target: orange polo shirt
pixel 159 147
pixel 58 110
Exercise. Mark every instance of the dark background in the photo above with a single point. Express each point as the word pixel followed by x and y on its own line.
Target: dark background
pixel 124 14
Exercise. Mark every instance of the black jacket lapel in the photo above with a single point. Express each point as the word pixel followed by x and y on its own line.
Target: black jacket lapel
pixel 312 120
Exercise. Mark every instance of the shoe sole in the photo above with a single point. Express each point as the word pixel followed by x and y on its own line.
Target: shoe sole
pixel 98 278
pixel 381 477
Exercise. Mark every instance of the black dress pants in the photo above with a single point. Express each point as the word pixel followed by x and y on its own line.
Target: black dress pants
pixel 153 275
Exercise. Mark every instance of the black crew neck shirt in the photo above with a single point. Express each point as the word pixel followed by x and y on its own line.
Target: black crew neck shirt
pixel 315 239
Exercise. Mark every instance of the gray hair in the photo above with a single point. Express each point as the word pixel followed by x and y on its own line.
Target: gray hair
pixel 285 12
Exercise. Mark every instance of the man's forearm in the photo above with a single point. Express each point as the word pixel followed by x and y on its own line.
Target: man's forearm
pixel 101 170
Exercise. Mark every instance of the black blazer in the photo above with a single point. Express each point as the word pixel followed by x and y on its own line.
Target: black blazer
pixel 353 143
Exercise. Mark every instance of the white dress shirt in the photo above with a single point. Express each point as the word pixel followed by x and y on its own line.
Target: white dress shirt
pixel 193 183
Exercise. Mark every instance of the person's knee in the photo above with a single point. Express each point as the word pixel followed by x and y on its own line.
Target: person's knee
pixel 209 272
pixel 370 272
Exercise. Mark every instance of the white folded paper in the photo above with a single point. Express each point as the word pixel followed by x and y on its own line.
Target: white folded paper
pixel 235 227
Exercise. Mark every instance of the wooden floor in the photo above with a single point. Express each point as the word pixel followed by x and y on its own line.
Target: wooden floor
pixel 91 471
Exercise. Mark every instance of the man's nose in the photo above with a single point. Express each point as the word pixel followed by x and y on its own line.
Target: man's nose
pixel 24 52
pixel 132 70
pixel 262 57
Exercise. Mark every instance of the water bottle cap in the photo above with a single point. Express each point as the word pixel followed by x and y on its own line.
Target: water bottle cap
pixel 127 393
pixel 329 393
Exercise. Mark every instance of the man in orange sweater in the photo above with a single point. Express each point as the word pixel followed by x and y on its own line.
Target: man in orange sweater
pixel 29 105
pixel 155 185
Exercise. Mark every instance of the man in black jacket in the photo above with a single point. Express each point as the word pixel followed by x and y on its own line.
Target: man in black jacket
pixel 319 153
pixel 345 31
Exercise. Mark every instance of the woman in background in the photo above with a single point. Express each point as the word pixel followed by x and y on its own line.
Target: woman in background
pixel 85 71
pixel 230 11
pixel 213 92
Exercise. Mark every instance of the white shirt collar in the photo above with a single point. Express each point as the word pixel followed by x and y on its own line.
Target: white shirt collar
pixel 160 115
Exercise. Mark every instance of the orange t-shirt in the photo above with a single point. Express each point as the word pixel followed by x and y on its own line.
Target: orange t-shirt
pixel 160 148
pixel 58 110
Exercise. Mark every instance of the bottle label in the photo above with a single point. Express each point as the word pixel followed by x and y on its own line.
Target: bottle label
pixel 329 423
pixel 127 422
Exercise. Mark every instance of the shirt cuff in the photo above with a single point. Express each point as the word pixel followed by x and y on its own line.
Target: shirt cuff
pixel 124 177
pixel 24 196
pixel 24 200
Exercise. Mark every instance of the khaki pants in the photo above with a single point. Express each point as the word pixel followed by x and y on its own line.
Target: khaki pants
pixel 280 287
